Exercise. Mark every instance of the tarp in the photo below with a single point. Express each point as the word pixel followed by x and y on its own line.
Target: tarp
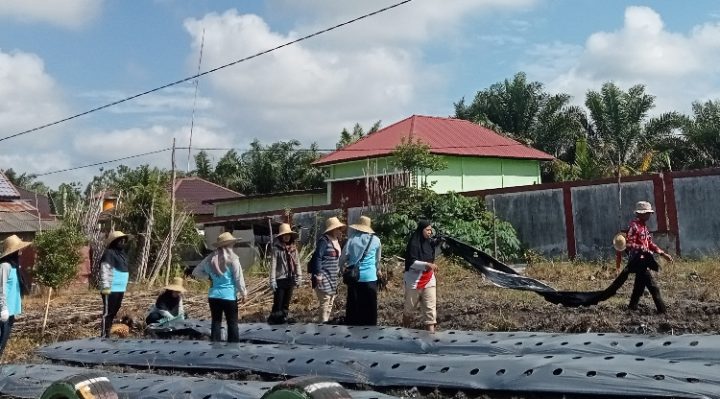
pixel 30 380
pixel 504 276
pixel 688 347
pixel 561 373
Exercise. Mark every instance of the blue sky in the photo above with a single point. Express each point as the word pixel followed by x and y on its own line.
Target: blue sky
pixel 416 59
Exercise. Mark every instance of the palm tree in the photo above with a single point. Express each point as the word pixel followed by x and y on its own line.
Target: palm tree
pixel 702 135
pixel 621 132
pixel 525 112
pixel 620 129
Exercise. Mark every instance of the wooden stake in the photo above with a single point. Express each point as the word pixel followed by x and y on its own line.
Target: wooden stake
pixel 172 218
pixel 47 309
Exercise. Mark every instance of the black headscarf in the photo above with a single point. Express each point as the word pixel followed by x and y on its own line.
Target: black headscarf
pixel 419 247
pixel 115 257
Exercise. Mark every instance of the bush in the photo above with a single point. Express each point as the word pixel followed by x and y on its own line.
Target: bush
pixel 452 214
pixel 58 256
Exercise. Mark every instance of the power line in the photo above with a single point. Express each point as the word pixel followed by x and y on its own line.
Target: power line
pixel 319 150
pixel 103 162
pixel 206 72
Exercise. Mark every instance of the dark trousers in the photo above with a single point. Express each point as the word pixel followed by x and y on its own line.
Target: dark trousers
pixel 5 329
pixel 361 307
pixel 281 301
pixel 111 306
pixel 643 279
pixel 218 307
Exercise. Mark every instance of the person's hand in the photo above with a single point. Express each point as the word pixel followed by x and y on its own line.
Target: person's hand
pixel 105 291
pixel 4 315
pixel 431 266
pixel 667 257
pixel 241 300
pixel 273 285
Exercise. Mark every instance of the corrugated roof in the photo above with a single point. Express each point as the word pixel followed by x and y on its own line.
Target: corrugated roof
pixel 7 190
pixel 447 136
pixel 192 191
pixel 16 206
pixel 23 222
pixel 43 203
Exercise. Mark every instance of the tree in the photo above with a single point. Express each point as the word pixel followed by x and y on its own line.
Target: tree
pixel 278 167
pixel 27 181
pixel 414 158
pixel 203 166
pixel 701 134
pixel 145 200
pixel 525 112
pixel 66 195
pixel 347 138
pixel 621 131
pixel 58 257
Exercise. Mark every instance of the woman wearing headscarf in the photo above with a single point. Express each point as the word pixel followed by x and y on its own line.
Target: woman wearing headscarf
pixel 362 251
pixel 113 278
pixel 324 267
pixel 169 305
pixel 227 287
pixel 419 276
pixel 11 286
pixel 285 273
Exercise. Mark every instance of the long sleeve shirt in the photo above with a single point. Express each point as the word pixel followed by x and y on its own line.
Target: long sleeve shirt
pixel 639 238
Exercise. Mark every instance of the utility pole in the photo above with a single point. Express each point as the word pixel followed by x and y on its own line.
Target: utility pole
pixel 192 119
pixel 172 218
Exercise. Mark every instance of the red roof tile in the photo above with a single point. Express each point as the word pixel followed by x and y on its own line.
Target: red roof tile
pixel 192 191
pixel 447 136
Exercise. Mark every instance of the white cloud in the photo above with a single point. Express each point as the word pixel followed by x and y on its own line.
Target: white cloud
pixel 30 96
pixel 66 13
pixel 367 71
pixel 171 99
pixel 677 68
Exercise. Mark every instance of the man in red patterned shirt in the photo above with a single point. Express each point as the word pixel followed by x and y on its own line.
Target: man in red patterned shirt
pixel 641 248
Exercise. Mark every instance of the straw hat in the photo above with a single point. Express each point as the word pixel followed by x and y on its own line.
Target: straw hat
pixel 177 285
pixel 225 239
pixel 332 224
pixel 643 207
pixel 114 235
pixel 285 229
pixel 363 225
pixel 620 242
pixel 13 244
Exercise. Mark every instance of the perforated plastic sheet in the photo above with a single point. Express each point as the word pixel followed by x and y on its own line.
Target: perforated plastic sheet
pixel 29 381
pixel 398 339
pixel 606 375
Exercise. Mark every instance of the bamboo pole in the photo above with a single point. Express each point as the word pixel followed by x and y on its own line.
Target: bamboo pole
pixel 172 218
pixel 47 310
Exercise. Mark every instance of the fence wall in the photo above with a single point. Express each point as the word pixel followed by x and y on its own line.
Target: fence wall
pixel 579 219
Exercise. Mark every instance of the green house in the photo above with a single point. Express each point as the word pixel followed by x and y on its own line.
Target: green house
pixel 477 159
pixel 361 174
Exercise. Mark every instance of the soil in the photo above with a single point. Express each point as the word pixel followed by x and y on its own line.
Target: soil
pixel 465 302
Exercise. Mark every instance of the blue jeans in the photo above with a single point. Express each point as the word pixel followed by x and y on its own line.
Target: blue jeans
pixel 5 329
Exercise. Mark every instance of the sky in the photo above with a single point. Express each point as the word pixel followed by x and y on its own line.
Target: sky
pixel 59 58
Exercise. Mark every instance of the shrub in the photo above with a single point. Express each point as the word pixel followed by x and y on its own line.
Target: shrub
pixel 58 256
pixel 452 214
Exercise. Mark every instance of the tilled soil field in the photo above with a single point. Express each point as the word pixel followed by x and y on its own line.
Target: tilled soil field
pixel 465 302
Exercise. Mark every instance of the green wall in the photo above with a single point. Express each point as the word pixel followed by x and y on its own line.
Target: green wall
pixel 265 204
pixel 462 173
pixel 356 169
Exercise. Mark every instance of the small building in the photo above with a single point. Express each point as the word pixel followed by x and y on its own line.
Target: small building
pixel 477 159
pixel 360 175
pixel 191 192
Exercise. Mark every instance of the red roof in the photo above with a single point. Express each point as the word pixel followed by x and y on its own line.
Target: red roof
pixel 447 136
pixel 192 191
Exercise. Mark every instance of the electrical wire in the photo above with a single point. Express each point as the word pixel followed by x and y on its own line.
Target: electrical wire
pixel 103 162
pixel 320 32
